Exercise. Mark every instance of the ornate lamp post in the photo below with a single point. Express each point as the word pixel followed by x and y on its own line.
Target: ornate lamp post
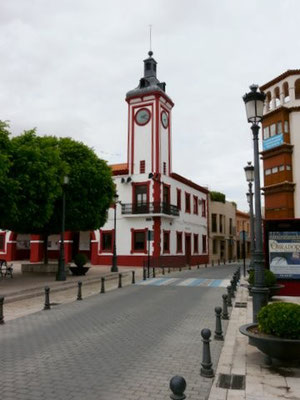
pixel 61 273
pixel 254 102
pixel 249 171
pixel 114 267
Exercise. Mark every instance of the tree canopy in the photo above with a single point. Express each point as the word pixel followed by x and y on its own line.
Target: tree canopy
pixel 217 196
pixel 32 169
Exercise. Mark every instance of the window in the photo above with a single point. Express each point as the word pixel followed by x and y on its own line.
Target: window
pixel 266 132
pixel 221 223
pixel 165 168
pixel 106 241
pixel 268 171
pixel 286 92
pixel 288 167
pixel 230 226
pixel 215 246
pixel 179 199
pixel 139 241
pixel 142 166
pixel 179 242
pixel 297 89
pixel 187 202
pixel 214 222
pixel 203 208
pixel 279 127
pixel 196 243
pixel 195 205
pixel 281 167
pixel 274 170
pixel 166 248
pixel 273 130
pixel 203 243
pixel 2 242
pixel 286 126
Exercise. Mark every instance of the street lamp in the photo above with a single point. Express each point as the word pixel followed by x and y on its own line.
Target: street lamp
pixel 114 267
pixel 254 102
pixel 61 273
pixel 249 171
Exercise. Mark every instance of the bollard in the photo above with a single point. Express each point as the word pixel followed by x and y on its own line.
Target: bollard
pixel 218 331
pixel 179 269
pixel 153 272
pixel 169 270
pixel 47 298
pixel 178 386
pixel 198 266
pixel 133 277
pixel 232 289
pixel 205 265
pixel 163 270
pixel 224 261
pixel 102 285
pixel 212 263
pixel 218 262
pixel 144 274
pixel 190 267
pixel 225 314
pixel 79 294
pixel 229 303
pixel 148 271
pixel 120 281
pixel 206 369
pixel 1 310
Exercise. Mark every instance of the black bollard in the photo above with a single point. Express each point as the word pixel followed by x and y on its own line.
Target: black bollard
pixel 229 303
pixel 232 289
pixel 218 262
pixel 102 285
pixel 1 310
pixel 190 267
pixel 212 263
pixel 163 270
pixel 218 331
pixel 177 386
pixel 148 271
pixel 225 314
pixel 47 298
pixel 206 369
pixel 133 277
pixel 120 281
pixel 224 261
pixel 153 272
pixel 144 274
pixel 205 265
pixel 79 294
pixel 169 270
pixel 198 266
pixel 179 269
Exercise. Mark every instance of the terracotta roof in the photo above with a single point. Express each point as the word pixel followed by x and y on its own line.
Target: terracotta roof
pixel 242 214
pixel 285 74
pixel 186 181
pixel 119 169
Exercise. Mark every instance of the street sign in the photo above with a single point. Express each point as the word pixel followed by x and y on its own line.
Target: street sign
pixel 150 235
pixel 243 235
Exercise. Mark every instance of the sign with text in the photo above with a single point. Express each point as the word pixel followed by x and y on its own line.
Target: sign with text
pixel 273 141
pixel 284 254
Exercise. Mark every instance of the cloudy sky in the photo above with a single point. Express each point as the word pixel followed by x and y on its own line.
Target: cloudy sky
pixel 66 66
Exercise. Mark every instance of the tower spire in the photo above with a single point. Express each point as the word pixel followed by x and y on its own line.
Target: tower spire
pixel 150 52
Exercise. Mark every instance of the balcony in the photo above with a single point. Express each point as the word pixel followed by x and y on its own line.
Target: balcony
pixel 150 209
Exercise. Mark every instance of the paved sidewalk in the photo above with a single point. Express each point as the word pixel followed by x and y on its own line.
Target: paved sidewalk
pixel 239 358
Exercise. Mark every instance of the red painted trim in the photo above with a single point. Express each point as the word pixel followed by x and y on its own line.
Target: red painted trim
pixel 135 184
pixel 156 93
pixel 187 202
pixel 149 113
pixel 169 191
pixel 167 233
pixel 157 147
pixel 195 205
pixel 189 183
pixel 132 138
pixel 133 231
pixel 178 197
pixel 196 243
pixel 102 232
pixel 179 235
pixel 157 236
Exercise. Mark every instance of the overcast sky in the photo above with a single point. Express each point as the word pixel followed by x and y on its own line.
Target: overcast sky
pixel 66 66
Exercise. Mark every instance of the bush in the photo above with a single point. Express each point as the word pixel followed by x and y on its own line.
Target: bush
pixel 80 259
pixel 270 278
pixel 280 319
pixel 217 196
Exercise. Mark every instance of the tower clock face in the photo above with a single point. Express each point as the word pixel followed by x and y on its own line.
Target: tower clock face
pixel 143 116
pixel 164 119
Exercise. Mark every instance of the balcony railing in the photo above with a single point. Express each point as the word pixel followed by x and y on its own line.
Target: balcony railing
pixel 150 208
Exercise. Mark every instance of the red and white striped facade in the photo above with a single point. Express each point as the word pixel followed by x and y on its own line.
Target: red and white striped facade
pixel 152 197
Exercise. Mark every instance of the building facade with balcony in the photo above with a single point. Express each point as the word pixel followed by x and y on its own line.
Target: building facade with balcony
pixel 161 215
pixel 242 224
pixel 222 232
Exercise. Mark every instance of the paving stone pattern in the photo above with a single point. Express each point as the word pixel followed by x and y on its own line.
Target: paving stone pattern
pixel 125 344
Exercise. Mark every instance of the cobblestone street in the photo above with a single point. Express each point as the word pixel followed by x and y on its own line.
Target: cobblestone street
pixel 125 344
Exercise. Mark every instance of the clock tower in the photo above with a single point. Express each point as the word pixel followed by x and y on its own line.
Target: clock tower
pixel 149 124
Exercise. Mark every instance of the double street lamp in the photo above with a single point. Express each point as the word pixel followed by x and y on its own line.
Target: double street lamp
pixel 61 273
pixel 114 267
pixel 249 171
pixel 254 102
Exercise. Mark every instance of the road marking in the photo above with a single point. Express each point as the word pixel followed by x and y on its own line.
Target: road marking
pixel 191 282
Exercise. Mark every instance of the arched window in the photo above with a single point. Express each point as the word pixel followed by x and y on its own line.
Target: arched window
pixel 277 96
pixel 286 92
pixel 297 89
pixel 268 100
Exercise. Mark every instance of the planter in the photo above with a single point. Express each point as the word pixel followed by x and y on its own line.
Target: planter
pixel 273 290
pixel 79 271
pixel 272 346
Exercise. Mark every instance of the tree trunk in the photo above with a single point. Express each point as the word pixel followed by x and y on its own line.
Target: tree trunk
pixel 46 248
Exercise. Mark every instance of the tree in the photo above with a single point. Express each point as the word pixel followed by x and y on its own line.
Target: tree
pixel 217 196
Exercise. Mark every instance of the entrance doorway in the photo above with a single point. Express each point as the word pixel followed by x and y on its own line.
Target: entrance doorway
pixel 188 248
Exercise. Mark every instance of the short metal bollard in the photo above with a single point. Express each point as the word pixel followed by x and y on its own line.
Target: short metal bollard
pixel 205 265
pixel 47 298
pixel 153 272
pixel 169 270
pixel 225 314
pixel 212 263
pixel 224 261
pixel 102 285
pixel 206 369
pixel 177 386
pixel 1 310
pixel 79 293
pixel 133 278
pixel 144 274
pixel 190 267
pixel 218 262
pixel 232 289
pixel 218 331
pixel 198 266
pixel 120 281
pixel 163 270
pixel 179 269
pixel 229 302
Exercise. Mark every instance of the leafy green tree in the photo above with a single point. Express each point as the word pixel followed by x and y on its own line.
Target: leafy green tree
pixel 217 196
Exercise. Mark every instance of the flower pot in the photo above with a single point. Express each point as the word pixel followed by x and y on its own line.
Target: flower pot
pixel 79 271
pixel 273 290
pixel 272 346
